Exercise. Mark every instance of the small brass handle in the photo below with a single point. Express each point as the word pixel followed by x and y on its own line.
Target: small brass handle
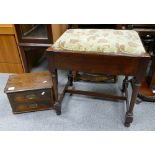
pixel 31 96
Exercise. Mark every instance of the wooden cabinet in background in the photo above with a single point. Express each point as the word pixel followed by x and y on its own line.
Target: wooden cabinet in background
pixel 10 60
pixel 34 39
pixel 12 45
pixel 58 30
pixel 34 33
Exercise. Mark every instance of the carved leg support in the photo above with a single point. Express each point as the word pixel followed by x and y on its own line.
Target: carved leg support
pixel 70 78
pixel 129 113
pixel 128 119
pixel 57 105
pixel 125 82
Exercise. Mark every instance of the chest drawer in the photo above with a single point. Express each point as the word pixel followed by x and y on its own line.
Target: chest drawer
pixel 31 100
pixel 33 106
pixel 31 96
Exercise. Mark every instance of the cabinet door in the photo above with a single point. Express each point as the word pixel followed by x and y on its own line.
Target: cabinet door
pixel 34 33
pixel 8 49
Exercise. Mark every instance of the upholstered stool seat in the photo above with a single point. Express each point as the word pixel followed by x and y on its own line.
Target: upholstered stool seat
pixel 101 41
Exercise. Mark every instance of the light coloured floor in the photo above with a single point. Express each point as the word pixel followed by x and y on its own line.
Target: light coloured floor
pixel 78 112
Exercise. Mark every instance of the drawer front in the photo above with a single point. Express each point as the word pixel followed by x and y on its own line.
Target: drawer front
pixel 31 100
pixel 32 96
pixel 26 107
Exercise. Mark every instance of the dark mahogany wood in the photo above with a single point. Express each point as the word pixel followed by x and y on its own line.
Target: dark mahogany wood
pixel 95 94
pixel 30 92
pixel 93 63
pixel 94 78
pixel 135 66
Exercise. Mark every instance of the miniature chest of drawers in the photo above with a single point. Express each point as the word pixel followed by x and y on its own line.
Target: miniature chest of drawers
pixel 30 92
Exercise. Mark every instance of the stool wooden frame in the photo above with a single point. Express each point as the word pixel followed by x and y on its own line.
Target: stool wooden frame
pixel 135 66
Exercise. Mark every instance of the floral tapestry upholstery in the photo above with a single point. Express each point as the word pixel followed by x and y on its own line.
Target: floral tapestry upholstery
pixel 100 41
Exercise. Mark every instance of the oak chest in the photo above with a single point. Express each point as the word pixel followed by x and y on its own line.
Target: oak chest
pixel 30 92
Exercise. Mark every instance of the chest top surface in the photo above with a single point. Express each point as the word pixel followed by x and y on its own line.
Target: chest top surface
pixel 100 41
pixel 28 81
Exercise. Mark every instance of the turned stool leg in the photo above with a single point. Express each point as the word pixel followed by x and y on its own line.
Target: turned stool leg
pixel 125 82
pixel 70 78
pixel 57 105
pixel 129 113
